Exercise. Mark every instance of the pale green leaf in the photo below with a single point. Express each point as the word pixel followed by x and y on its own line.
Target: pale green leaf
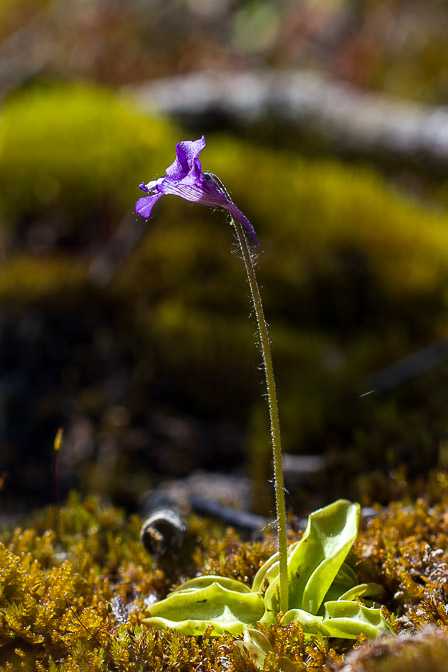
pixel 191 612
pixel 318 557
pixel 310 623
pixel 361 590
pixel 269 570
pixel 346 575
pixel 256 654
pixel 349 619
pixel 339 591
pixel 317 560
pixel 204 581
pixel 262 574
pixel 252 636
pixel 257 645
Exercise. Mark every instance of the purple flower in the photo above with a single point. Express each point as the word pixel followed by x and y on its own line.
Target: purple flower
pixel 185 178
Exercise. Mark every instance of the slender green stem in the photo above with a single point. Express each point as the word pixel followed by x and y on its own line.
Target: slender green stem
pixel 273 412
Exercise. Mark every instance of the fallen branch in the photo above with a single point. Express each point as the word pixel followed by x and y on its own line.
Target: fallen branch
pixel 345 120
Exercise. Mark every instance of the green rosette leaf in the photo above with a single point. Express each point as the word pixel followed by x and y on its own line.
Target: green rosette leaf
pixel 361 590
pixel 349 619
pixel 266 573
pixel 204 581
pixel 269 570
pixel 256 644
pixel 317 559
pixel 339 591
pixel 346 575
pixel 342 618
pixel 190 612
pixel 309 622
pixel 315 564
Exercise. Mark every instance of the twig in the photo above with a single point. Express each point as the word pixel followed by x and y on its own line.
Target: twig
pixel 240 520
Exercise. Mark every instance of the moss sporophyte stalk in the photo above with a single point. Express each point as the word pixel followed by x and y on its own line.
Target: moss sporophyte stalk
pixel 309 582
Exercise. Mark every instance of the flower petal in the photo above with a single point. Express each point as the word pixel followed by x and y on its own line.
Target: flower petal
pixel 144 205
pixel 184 178
pixel 205 192
pixel 187 159
pixel 195 190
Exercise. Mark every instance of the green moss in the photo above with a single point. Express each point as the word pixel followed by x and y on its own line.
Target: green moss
pixel 75 155
pixel 33 278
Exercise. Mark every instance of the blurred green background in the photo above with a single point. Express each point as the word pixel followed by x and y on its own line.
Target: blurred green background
pixel 151 368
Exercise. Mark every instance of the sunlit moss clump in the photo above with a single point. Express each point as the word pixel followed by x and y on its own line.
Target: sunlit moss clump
pixel 73 584
pixel 69 155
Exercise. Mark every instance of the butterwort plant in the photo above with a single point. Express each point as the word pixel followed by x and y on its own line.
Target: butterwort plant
pixel 308 582
pixel 185 178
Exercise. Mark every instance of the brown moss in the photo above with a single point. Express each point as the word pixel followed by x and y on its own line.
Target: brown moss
pixel 59 574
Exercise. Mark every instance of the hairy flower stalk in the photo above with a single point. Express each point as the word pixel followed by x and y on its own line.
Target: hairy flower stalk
pixel 273 413
pixel 186 179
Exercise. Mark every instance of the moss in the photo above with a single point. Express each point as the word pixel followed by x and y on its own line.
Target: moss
pixel 34 278
pixel 59 574
pixel 71 158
